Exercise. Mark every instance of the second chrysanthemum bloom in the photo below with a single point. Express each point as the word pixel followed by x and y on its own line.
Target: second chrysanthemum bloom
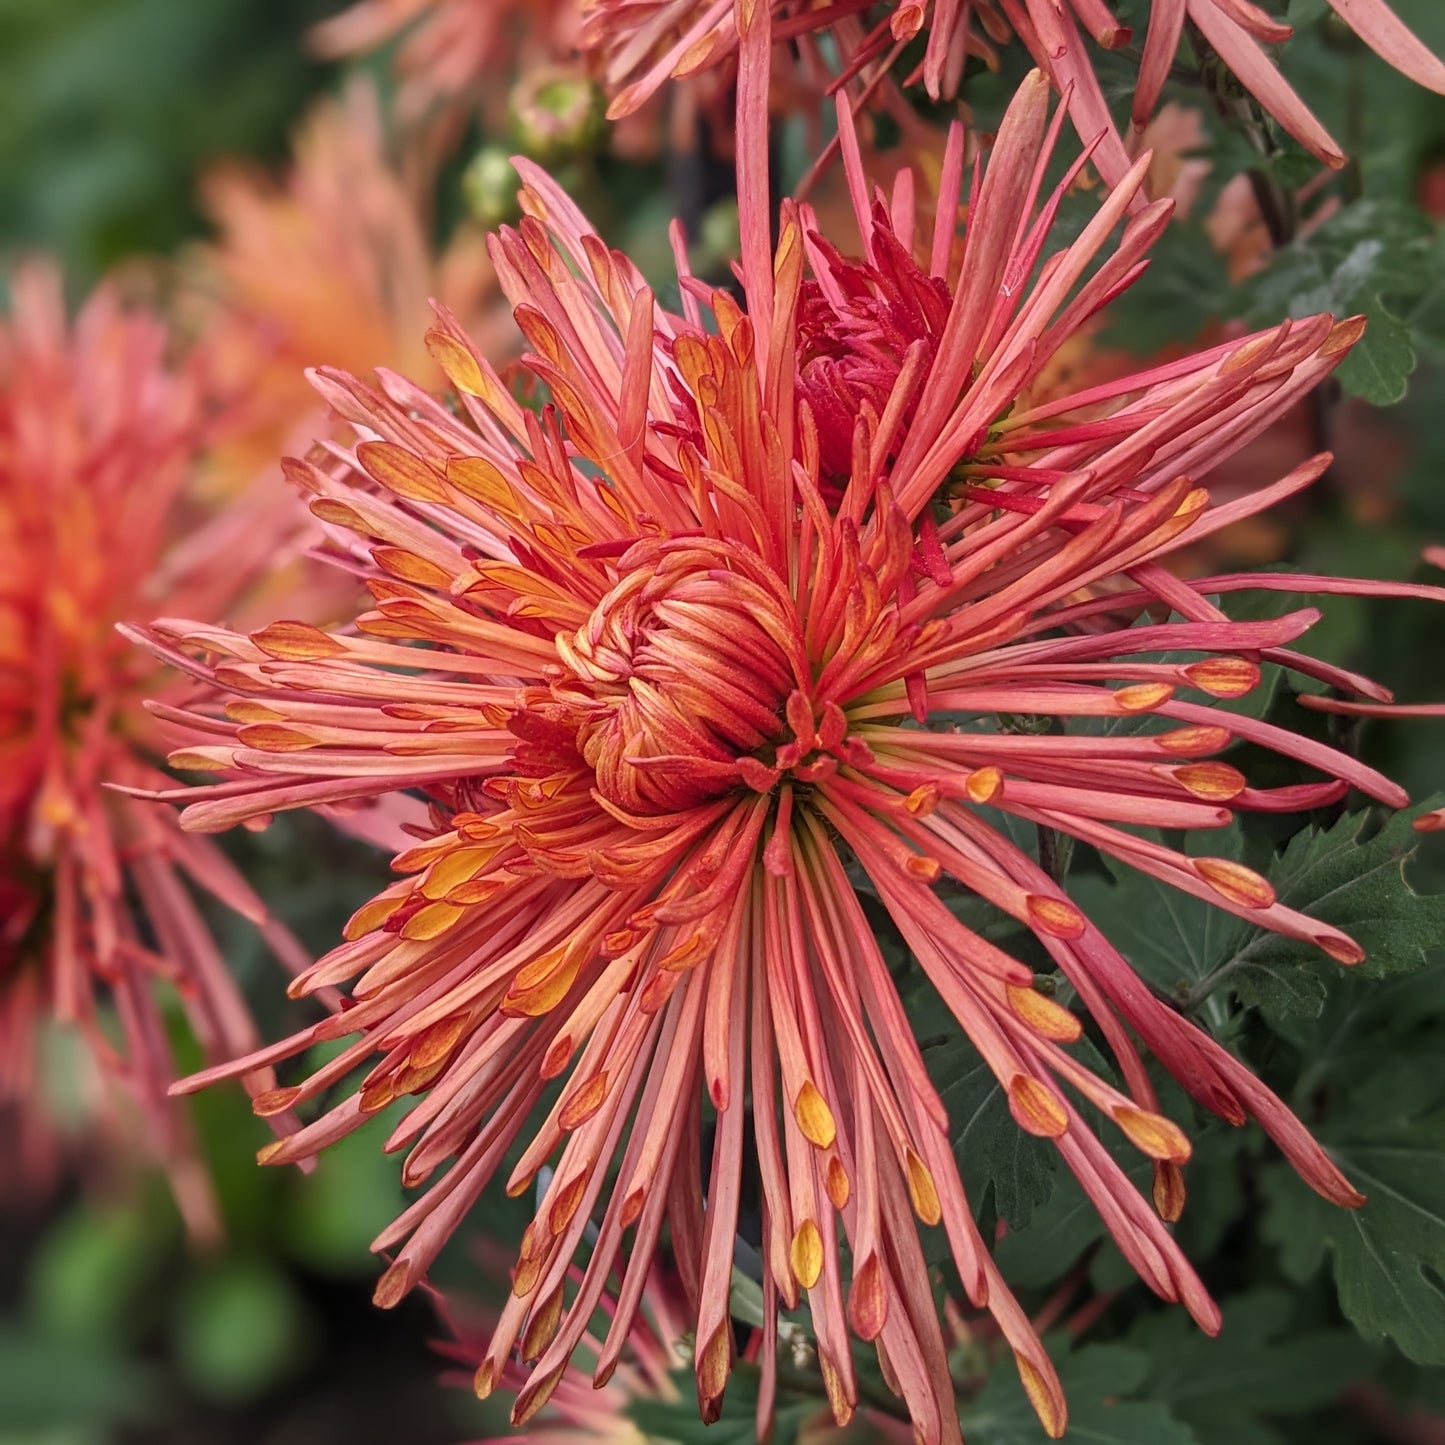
pixel 669 659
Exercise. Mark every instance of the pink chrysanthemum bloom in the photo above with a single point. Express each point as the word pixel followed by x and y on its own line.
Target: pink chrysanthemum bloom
pixel 331 265
pixel 644 42
pixel 666 669
pixel 99 443
pixel 450 47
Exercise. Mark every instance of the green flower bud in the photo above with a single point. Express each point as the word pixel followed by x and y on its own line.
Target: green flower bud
pixel 489 186
pixel 557 112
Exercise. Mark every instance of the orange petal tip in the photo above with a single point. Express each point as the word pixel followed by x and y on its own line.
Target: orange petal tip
pixel 1235 882
pixel 814 1116
pixel 392 1287
pixel 274 1101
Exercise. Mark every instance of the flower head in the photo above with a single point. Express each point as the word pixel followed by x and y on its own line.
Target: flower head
pixel 99 442
pixel 668 669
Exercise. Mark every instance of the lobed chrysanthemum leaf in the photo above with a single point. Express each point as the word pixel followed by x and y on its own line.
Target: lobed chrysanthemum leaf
pixel 1385 1258
pixel 1371 258
pixel 1356 879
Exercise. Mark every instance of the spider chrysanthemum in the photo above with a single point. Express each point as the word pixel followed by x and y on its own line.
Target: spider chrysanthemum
pixel 732 620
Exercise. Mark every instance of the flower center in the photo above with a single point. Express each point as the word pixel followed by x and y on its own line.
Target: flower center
pixel 681 674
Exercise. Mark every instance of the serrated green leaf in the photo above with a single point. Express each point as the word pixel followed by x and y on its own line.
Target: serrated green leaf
pixel 1360 887
pixel 1371 258
pixel 1388 1256
pixel 1379 365
pixel 1094 1379
pixel 1193 950
pixel 1172 938
pixel 1062 1227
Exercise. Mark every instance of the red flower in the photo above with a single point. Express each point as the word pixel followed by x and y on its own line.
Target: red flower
pixel 662 693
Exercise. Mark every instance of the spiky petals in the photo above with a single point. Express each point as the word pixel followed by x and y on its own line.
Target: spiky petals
pixel 329 266
pixel 1235 31
pixel 564 1408
pixel 666 676
pixel 99 438
pixel 644 42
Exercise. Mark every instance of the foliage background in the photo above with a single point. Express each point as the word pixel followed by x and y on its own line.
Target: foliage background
pixel 111 1331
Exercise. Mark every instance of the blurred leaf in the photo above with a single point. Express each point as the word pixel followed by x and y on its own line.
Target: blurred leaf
pixel 50 1384
pixel 1094 1378
pixel 1184 289
pixel 108 108
pixel 1259 1365
pixel 88 1270
pixel 239 1330
pixel 345 1202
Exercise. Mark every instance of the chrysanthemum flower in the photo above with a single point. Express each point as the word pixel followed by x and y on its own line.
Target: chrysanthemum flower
pixel 99 439
pixel 647 41
pixel 449 47
pixel 332 265
pixel 670 664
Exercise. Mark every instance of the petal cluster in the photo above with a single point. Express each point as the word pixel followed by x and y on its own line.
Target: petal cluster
pixel 646 42
pixel 100 440
pixel 677 657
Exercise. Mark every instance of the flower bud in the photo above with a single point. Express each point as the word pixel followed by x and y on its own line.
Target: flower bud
pixel 557 112
pixel 489 186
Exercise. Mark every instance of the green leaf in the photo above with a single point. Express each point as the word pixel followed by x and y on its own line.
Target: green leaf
pixel 350 1197
pixel 50 1384
pixel 1257 1366
pixel 1379 365
pixel 1093 1378
pixel 1171 938
pixel 677 1421
pixel 1357 882
pixel 239 1330
pixel 1371 258
pixel 1388 1256
pixel 1192 950
pixel 88 1270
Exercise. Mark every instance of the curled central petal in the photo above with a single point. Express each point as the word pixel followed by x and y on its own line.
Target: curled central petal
pixel 682 671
